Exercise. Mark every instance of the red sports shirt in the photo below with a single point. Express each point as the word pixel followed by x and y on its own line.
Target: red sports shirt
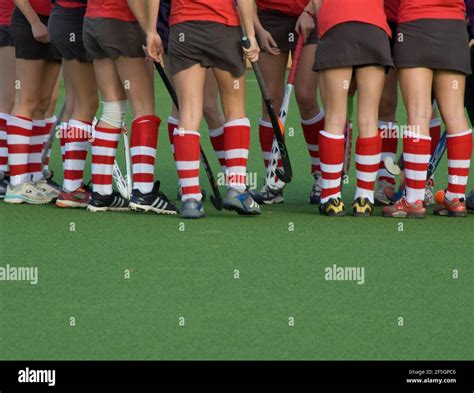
pixel 392 8
pixel 431 9
pixel 6 9
pixel 42 7
pixel 289 7
pixel 220 11
pixel 334 12
pixel 72 3
pixel 112 9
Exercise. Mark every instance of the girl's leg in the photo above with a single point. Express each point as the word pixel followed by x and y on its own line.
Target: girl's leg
pixel 106 135
pixel 7 100
pixel 334 86
pixel 312 117
pixel 449 89
pixel 370 83
pixel 190 89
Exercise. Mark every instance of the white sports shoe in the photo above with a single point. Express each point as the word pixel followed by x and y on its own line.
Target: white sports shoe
pixel 26 193
pixel 380 196
pixel 50 190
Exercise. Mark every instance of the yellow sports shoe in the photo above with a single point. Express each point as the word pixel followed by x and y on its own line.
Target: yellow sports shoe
pixel 333 208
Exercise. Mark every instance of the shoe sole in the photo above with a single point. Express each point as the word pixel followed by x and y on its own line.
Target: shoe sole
pixel 240 211
pixel 94 209
pixel 20 200
pixel 146 209
pixel 367 214
pixel 71 205
pixel 404 215
pixel 276 201
pixel 445 213
pixel 192 216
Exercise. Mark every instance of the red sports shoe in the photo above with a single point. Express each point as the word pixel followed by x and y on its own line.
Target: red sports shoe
pixel 78 198
pixel 403 209
pixel 454 208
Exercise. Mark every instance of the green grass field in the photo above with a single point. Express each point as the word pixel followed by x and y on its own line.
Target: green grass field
pixel 236 281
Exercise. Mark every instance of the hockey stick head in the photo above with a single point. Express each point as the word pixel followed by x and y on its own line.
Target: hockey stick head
pixel 391 166
pixel 217 202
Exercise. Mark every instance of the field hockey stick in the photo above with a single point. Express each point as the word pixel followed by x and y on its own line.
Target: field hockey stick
pixel 287 174
pixel 275 154
pixel 216 199
pixel 47 174
pixel 432 165
pixel 348 139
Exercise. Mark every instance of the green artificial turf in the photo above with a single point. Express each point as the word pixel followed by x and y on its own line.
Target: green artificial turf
pixel 189 269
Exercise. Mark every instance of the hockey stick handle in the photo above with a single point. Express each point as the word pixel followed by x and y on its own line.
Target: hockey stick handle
pixel 296 60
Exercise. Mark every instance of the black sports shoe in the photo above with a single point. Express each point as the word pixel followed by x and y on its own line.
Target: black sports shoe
pixel 103 203
pixel 333 208
pixel 362 207
pixel 154 201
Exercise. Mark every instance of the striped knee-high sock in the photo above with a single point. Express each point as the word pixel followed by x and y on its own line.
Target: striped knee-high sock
pixel 75 154
pixel 331 150
pixel 63 138
pixel 459 162
pixel 187 153
pixel 35 152
pixel 50 122
pixel 389 149
pixel 236 145
pixel 143 147
pixel 19 132
pixel 311 129
pixel 217 141
pixel 172 125
pixel 368 151
pixel 435 133
pixel 104 148
pixel 416 154
pixel 3 143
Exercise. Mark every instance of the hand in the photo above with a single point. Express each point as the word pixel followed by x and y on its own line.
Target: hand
pixel 154 46
pixel 471 43
pixel 267 42
pixel 305 25
pixel 252 52
pixel 40 32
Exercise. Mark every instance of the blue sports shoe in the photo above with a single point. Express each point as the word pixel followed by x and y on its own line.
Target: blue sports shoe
pixel 192 209
pixel 241 202
pixel 470 201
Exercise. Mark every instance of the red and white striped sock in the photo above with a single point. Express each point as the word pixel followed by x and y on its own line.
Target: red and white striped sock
pixel 459 162
pixel 172 125
pixel 104 148
pixel 236 145
pixel 331 150
pixel 75 154
pixel 3 143
pixel 63 138
pixel 311 129
pixel 50 122
pixel 187 153
pixel 143 147
pixel 368 152
pixel 217 141
pixel 435 133
pixel 266 134
pixel 19 131
pixel 416 155
pixel 389 135
pixel 37 142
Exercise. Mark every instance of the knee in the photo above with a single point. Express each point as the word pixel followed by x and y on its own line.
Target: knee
pixel 388 108
pixel 306 99
pixel 114 113
pixel 211 111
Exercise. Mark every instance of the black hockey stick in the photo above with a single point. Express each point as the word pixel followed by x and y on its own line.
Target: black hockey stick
pixel 287 174
pixel 216 199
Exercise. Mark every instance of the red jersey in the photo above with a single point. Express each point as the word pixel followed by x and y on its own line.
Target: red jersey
pixel 392 7
pixel 71 3
pixel 221 11
pixel 6 9
pixel 431 9
pixel 41 7
pixel 293 8
pixel 334 12
pixel 112 9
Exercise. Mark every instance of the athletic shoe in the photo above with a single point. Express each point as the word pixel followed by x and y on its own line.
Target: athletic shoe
pixel 454 208
pixel 26 193
pixel 470 201
pixel 103 203
pixel 241 202
pixel 403 209
pixel 268 196
pixel 154 201
pixel 333 208
pixel 362 207
pixel 192 209
pixel 75 199
pixel 429 193
pixel 383 192
pixel 48 187
pixel 3 187
pixel 316 191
